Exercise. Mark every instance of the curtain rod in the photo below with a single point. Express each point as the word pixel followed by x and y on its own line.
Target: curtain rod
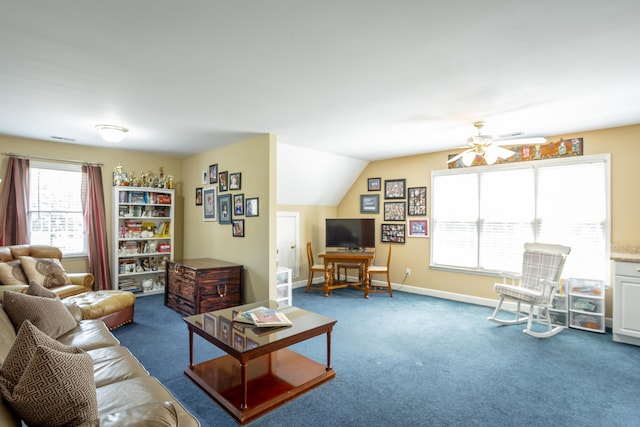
pixel 29 156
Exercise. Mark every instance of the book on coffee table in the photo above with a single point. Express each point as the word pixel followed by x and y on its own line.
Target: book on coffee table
pixel 270 319
pixel 245 316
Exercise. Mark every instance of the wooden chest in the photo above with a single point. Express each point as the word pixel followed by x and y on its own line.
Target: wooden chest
pixel 199 285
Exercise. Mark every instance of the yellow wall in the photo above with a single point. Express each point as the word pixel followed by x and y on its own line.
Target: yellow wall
pixel 621 142
pixel 130 160
pixel 255 159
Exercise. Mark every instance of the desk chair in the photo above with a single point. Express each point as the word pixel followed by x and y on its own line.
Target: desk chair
pixel 542 266
pixel 315 268
pixel 381 269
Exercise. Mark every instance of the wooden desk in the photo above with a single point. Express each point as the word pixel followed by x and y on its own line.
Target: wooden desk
pixel 345 257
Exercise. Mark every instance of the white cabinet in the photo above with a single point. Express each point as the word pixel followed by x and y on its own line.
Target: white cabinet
pixel 586 304
pixel 283 287
pixel 626 300
pixel 143 222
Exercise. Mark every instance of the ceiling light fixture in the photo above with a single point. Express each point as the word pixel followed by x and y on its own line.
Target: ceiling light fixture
pixel 112 133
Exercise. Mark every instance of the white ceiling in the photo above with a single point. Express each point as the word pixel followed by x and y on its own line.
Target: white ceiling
pixel 366 80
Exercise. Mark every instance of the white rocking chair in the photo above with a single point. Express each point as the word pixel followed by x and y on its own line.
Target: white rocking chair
pixel 542 266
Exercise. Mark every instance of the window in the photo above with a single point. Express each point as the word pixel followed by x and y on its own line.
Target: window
pixel 55 206
pixel 481 217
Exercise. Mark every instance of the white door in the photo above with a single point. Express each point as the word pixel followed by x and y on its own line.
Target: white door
pixel 287 236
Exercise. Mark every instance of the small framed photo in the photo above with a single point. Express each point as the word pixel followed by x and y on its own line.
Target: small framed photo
pixel 370 203
pixel 418 228
pixel 251 207
pixel 213 174
pixel 395 211
pixel 238 228
pixel 224 208
pixel 224 330
pixel 222 181
pixel 250 344
pixel 417 201
pixel 395 189
pixel 205 178
pixel 235 180
pixel 374 184
pixel 209 325
pixel 238 204
pixel 238 341
pixel 392 233
pixel 199 196
pixel 209 204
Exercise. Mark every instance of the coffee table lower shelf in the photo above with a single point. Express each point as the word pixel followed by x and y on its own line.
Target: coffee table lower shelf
pixel 272 380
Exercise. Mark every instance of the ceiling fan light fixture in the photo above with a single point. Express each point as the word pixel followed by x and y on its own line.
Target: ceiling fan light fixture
pixel 468 158
pixel 112 133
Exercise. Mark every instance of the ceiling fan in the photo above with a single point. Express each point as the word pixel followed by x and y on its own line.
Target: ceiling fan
pixel 485 147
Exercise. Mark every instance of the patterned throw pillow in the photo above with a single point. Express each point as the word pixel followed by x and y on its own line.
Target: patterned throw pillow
pixel 38 290
pixel 56 389
pixel 11 273
pixel 46 271
pixel 47 314
pixel 24 347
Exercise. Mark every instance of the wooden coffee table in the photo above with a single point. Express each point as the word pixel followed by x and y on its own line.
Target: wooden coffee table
pixel 258 373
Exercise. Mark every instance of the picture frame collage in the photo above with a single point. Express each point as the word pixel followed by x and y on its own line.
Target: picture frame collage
pixel 220 204
pixel 400 202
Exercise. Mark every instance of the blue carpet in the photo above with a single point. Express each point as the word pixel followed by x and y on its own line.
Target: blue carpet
pixel 417 360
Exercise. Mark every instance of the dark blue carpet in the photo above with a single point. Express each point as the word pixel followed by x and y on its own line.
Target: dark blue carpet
pixel 416 360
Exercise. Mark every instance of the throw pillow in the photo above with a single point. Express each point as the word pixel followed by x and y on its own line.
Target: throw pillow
pixel 56 389
pixel 24 347
pixel 46 271
pixel 47 314
pixel 38 290
pixel 11 273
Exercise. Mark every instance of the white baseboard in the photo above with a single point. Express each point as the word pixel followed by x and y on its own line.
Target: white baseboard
pixel 470 299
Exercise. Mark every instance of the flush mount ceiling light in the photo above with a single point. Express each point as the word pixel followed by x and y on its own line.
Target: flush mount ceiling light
pixel 112 133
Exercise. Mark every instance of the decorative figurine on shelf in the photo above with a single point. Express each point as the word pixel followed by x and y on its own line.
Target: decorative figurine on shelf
pixel 117 175
pixel 151 178
pixel 170 182
pixel 161 179
pixel 146 233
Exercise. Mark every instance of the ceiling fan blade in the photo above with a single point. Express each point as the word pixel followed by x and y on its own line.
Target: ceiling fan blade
pixel 502 152
pixel 522 141
pixel 456 157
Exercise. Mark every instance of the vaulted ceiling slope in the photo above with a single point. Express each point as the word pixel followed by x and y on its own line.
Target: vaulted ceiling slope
pixel 367 79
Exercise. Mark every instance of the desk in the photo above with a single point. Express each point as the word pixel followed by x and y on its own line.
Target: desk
pixel 344 257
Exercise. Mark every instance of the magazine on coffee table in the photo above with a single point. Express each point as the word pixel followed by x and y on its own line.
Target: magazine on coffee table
pixel 269 318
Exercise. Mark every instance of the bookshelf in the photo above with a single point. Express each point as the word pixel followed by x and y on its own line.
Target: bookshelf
pixel 143 221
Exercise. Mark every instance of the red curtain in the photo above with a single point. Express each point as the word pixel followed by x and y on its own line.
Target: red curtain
pixel 14 208
pixel 96 225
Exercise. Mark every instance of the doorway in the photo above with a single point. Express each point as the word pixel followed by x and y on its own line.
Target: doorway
pixel 288 233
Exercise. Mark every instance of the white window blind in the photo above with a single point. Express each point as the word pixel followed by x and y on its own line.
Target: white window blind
pixel 55 206
pixel 481 217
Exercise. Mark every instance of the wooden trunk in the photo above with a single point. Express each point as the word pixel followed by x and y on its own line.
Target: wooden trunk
pixel 200 285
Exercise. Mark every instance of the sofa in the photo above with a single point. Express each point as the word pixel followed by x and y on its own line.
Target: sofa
pixel 125 393
pixel 19 264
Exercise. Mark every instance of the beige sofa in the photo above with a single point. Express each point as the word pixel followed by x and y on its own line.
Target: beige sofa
pixel 126 393
pixel 10 255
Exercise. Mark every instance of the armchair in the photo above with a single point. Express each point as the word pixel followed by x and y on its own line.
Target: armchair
pixel 14 276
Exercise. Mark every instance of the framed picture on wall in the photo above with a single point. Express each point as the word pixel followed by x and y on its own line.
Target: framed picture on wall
pixel 395 189
pixel 198 196
pixel 224 209
pixel 238 204
pixel 374 184
pixel 251 207
pixel 395 211
pixel 392 233
pixel 235 181
pixel 213 174
pixel 419 228
pixel 370 203
pixel 238 228
pixel 223 183
pixel 209 204
pixel 417 201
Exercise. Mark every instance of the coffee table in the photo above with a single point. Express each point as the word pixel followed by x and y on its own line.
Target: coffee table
pixel 258 373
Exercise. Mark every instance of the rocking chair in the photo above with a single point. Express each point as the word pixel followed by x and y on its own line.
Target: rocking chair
pixel 542 266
